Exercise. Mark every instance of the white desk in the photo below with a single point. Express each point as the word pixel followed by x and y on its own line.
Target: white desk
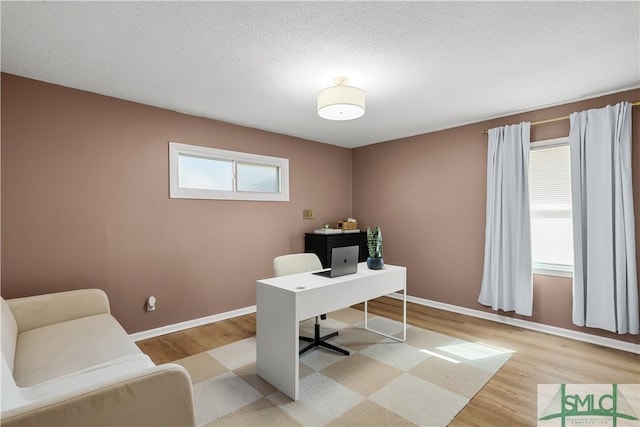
pixel 282 302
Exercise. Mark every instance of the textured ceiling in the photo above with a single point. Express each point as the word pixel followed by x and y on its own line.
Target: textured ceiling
pixel 424 66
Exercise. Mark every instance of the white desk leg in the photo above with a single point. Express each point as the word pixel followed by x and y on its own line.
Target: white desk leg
pixel 404 314
pixel 366 315
pixel 277 343
pixel 404 320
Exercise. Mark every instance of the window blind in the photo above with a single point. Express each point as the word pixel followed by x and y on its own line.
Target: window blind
pixel 550 200
pixel 550 178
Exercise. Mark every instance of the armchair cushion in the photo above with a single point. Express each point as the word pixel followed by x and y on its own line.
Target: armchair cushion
pixel 69 346
pixel 42 310
pixel 9 334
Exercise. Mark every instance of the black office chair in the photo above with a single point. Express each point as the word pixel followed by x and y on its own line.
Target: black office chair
pixel 300 263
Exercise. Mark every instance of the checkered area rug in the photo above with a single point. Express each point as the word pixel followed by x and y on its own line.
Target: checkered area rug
pixel 424 381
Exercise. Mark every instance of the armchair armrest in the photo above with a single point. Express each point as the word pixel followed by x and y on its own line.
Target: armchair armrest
pixel 157 396
pixel 41 310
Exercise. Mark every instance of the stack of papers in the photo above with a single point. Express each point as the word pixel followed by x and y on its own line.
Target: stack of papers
pixel 334 231
pixel 328 231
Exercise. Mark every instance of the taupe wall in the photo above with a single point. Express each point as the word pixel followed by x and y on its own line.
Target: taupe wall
pixel 428 194
pixel 85 204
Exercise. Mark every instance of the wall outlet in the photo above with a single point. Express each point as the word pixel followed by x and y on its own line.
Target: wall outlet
pixel 151 303
pixel 308 214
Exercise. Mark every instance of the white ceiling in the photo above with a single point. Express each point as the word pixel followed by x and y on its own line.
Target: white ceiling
pixel 424 66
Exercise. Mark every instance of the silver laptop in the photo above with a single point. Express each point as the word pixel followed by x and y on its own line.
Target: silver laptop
pixel 344 261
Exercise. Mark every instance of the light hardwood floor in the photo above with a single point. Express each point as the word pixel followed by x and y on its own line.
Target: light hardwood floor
pixel 508 399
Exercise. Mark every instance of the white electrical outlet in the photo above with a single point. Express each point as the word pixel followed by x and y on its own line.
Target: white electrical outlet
pixel 151 303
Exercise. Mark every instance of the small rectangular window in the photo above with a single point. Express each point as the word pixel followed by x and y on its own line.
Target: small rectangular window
pixel 205 174
pixel 259 178
pixel 550 204
pixel 208 173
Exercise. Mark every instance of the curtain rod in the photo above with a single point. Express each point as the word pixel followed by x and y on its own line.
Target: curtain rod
pixel 555 119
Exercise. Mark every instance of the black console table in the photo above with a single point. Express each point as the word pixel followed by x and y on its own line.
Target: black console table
pixel 322 244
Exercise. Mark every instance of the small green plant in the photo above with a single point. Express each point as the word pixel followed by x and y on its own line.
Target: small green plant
pixel 374 242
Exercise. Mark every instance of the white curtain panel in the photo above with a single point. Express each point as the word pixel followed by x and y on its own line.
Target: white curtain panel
pixel 605 285
pixel 507 278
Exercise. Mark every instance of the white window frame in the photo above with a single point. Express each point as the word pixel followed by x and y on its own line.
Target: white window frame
pixel 544 268
pixel 177 149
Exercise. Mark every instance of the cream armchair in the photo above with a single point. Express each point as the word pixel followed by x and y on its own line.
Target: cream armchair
pixel 67 362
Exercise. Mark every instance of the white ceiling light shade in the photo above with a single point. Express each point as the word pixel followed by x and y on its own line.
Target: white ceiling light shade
pixel 341 102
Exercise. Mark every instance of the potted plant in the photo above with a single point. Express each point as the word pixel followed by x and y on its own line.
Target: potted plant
pixel 374 243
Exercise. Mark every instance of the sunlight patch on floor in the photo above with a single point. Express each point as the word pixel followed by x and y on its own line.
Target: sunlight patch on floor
pixel 473 351
pixel 431 353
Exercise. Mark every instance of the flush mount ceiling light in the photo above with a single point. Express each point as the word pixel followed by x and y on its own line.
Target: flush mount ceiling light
pixel 341 102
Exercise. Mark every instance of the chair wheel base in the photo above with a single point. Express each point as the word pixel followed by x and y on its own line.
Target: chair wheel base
pixel 318 341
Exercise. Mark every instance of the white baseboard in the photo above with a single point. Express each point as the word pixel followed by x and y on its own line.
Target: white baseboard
pixel 526 324
pixel 151 333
